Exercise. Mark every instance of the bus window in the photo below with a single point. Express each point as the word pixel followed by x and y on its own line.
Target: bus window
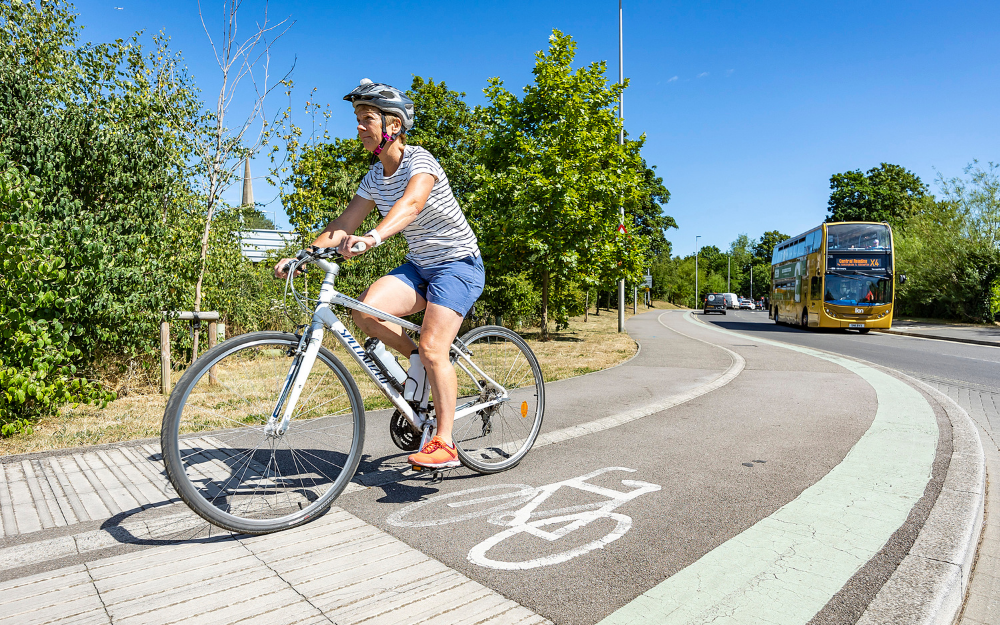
pixel 857 237
pixel 816 291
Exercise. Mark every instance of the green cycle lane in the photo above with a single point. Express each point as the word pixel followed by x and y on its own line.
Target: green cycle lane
pixel 760 496
pixel 788 566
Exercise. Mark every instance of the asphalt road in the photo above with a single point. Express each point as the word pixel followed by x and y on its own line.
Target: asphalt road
pixel 966 364
pixel 682 481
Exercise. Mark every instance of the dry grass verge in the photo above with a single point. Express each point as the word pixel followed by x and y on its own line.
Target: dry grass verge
pixel 583 347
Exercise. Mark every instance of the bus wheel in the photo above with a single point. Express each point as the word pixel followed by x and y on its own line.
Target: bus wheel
pixel 864 330
pixel 805 319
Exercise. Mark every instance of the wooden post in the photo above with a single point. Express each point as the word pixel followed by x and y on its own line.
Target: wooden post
pixel 165 357
pixel 635 298
pixel 586 307
pixel 213 338
pixel 211 316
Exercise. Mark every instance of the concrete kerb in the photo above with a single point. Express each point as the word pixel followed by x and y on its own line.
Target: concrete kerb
pixel 953 339
pixel 935 574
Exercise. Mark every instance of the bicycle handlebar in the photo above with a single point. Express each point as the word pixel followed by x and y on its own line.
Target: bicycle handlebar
pixel 315 253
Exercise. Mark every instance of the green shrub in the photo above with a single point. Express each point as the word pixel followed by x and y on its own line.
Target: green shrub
pixel 38 357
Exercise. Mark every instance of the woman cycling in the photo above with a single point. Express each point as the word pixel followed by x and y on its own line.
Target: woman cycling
pixel 444 273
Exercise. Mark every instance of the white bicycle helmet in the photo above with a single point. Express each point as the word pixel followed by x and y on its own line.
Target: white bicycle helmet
pixel 385 98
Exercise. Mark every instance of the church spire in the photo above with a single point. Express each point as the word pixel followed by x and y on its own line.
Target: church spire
pixel 247 185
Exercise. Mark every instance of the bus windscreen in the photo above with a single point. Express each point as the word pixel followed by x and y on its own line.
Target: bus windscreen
pixel 857 290
pixel 848 237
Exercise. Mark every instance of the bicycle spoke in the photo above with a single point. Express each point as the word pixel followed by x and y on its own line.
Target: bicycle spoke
pixel 241 477
pixel 497 437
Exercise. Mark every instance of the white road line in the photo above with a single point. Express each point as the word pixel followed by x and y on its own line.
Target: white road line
pixel 786 567
pixel 605 423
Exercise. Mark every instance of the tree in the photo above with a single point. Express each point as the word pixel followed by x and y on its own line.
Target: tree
pixel 445 125
pixel 763 249
pixel 551 179
pixel 950 250
pixel 93 141
pixel 221 150
pixel 650 221
pixel 885 193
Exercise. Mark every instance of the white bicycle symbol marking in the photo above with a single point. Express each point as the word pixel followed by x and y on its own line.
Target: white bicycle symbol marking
pixel 529 520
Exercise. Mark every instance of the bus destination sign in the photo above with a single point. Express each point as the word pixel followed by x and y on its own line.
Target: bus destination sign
pixel 874 262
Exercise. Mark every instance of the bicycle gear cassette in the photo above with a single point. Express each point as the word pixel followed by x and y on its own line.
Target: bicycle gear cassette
pixel 402 433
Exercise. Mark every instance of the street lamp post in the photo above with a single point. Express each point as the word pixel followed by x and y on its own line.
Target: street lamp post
pixel 696 252
pixel 621 141
pixel 729 272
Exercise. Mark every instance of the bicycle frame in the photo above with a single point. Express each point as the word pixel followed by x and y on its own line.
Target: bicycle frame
pixel 324 317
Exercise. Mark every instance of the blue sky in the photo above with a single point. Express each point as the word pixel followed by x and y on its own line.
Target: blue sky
pixel 748 108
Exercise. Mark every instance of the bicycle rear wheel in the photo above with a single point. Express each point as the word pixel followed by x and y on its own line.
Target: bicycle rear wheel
pixel 223 464
pixel 497 438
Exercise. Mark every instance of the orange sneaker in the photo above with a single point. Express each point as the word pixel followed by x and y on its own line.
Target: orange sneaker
pixel 436 455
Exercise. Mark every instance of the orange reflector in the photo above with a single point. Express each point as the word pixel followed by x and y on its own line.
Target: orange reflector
pixel 524 409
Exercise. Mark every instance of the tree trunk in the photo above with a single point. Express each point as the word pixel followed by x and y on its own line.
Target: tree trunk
pixel 586 307
pixel 597 303
pixel 545 305
pixel 201 275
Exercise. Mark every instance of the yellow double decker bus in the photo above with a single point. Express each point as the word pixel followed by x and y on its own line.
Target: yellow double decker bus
pixel 837 275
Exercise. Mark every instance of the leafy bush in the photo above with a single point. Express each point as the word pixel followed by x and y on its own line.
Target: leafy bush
pixel 38 355
pixel 950 250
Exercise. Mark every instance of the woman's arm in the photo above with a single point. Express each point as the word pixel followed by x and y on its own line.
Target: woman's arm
pixel 348 222
pixel 402 214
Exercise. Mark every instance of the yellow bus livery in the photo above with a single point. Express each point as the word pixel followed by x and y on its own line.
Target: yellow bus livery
pixel 837 275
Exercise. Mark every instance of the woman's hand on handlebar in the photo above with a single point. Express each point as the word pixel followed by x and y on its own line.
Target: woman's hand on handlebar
pixel 281 268
pixel 351 245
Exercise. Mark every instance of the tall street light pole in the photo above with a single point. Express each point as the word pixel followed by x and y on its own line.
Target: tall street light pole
pixel 729 273
pixel 621 141
pixel 696 252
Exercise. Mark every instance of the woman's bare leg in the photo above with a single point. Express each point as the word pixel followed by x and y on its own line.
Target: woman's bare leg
pixel 441 326
pixel 395 297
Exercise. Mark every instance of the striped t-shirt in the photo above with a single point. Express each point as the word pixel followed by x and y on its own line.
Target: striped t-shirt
pixel 440 232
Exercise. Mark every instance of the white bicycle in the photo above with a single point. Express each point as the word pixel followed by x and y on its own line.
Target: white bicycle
pixel 265 430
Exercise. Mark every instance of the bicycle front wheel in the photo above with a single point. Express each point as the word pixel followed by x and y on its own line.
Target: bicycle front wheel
pixel 227 468
pixel 497 438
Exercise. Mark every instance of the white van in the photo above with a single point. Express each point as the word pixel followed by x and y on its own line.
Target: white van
pixel 731 300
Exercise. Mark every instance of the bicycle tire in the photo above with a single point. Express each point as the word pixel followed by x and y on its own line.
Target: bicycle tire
pixel 496 439
pixel 227 469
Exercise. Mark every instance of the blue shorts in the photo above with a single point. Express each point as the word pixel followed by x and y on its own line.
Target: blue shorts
pixel 455 284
